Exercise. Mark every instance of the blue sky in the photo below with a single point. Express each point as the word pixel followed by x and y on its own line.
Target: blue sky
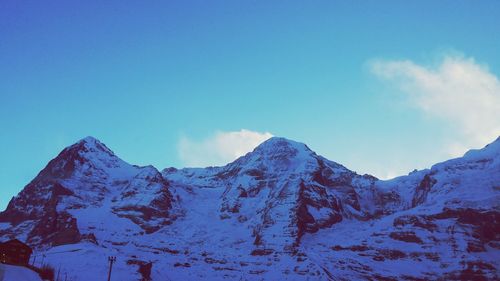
pixel 371 85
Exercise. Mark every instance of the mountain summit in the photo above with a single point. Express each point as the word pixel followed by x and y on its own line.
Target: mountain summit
pixel 279 212
pixel 86 156
pixel 281 146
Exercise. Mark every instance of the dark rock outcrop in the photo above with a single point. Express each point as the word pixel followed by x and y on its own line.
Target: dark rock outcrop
pixel 406 236
pixel 422 190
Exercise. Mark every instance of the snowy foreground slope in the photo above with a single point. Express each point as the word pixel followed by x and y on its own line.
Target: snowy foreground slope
pixel 281 212
pixel 17 273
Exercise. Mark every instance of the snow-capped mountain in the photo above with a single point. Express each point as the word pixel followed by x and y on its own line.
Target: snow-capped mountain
pixel 279 212
pixel 86 175
pixel 282 189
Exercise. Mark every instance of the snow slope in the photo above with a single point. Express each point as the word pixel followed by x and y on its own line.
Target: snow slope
pixel 279 212
pixel 17 273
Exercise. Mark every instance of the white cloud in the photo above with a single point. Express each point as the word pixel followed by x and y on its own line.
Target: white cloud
pixel 220 148
pixel 458 90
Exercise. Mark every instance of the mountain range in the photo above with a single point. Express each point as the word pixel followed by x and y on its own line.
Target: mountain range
pixel 280 212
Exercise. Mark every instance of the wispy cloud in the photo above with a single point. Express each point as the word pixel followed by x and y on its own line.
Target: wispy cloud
pixel 458 90
pixel 220 148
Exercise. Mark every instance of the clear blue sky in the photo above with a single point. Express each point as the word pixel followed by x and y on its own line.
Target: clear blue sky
pixel 138 75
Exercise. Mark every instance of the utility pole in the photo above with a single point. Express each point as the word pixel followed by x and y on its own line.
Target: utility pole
pixel 111 261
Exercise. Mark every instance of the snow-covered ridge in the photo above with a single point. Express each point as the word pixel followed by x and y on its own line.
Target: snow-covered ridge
pixel 278 212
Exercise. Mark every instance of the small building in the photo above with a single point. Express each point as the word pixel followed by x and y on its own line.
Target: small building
pixel 15 252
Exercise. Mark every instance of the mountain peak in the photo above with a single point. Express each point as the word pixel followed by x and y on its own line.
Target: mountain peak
pixel 277 152
pixel 88 152
pixel 89 139
pixel 90 144
pixel 276 143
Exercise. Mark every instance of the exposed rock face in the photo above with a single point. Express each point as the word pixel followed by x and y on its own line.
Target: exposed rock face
pixel 149 213
pixel 327 208
pixel 406 236
pixel 144 269
pixel 279 212
pixel 422 190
